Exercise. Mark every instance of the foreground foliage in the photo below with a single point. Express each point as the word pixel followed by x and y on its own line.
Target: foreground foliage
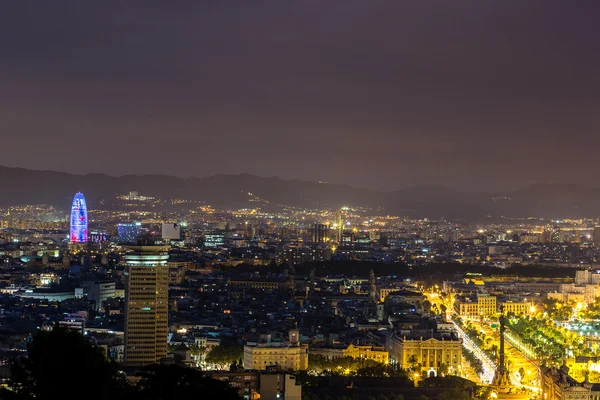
pixel 62 364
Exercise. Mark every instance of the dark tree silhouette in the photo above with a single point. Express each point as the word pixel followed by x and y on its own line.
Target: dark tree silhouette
pixel 174 382
pixel 63 364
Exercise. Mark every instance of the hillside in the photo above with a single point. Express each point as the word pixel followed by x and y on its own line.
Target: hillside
pixel 23 186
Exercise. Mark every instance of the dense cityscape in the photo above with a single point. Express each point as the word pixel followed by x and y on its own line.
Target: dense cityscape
pixel 279 304
pixel 299 200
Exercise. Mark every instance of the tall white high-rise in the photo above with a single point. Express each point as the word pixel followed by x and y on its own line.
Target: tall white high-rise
pixel 147 305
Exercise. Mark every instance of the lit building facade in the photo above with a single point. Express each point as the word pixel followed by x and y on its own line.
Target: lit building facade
pixel 384 292
pixel 483 305
pixel 557 384
pixel 515 307
pixel 487 305
pixel 378 354
pixel 289 356
pixel 146 307
pixel 79 220
pixel 263 355
pixel 466 308
pixel 214 240
pixel 584 293
pixel 298 255
pixel 430 352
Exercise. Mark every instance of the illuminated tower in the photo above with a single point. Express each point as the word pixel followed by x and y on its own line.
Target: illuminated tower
pixel 373 298
pixel 501 380
pixel 146 305
pixel 339 223
pixel 372 301
pixel 79 220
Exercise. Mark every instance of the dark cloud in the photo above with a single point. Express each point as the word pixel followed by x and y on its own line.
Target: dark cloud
pixel 479 95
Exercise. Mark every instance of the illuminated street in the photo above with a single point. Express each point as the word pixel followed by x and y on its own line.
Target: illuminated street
pixel 522 387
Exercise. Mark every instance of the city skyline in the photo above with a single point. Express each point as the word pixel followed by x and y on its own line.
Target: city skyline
pixel 260 298
pixel 244 191
pixel 300 200
pixel 483 97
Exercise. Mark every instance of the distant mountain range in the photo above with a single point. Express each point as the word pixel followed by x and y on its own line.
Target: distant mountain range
pixel 23 186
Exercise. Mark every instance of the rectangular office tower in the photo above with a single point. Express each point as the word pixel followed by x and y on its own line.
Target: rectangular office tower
pixel 147 305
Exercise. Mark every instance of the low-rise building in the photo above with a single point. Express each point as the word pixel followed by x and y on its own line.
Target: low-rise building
pixel 487 304
pixel 482 305
pixel 279 386
pixel 558 385
pixel 99 291
pixel 252 385
pixel 297 255
pixel 176 275
pixel 247 383
pixel 517 307
pixel 378 354
pixel 384 292
pixel 257 284
pixel 374 353
pixel 430 351
pixel 585 293
pixel 289 355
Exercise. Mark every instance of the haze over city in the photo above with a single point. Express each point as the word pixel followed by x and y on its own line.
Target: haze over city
pixel 476 96
pixel 299 200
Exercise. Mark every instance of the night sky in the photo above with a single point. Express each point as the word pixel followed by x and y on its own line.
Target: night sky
pixel 474 95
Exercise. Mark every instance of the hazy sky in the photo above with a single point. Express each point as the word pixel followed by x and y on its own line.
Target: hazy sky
pixel 477 95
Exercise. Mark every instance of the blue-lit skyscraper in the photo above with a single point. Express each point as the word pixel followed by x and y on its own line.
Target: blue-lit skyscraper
pixel 79 220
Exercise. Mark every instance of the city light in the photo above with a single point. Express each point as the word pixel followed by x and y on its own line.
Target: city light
pixel 300 200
